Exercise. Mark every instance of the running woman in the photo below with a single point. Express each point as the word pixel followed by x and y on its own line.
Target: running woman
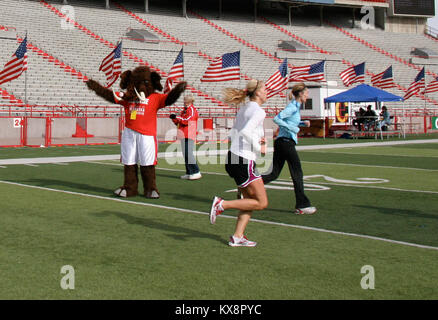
pixel 247 141
pixel 289 121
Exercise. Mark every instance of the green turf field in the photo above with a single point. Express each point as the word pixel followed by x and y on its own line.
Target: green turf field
pixel 377 206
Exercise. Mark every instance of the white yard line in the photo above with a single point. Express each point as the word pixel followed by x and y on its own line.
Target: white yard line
pixel 367 165
pixel 58 159
pixel 90 159
pixel 225 216
pixel 204 153
pixel 370 187
pixel 378 154
pixel 306 182
pixel 365 144
pixel 336 164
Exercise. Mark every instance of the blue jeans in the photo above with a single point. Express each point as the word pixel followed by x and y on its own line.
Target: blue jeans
pixel 187 148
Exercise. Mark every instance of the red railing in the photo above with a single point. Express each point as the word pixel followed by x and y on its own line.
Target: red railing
pixel 59 110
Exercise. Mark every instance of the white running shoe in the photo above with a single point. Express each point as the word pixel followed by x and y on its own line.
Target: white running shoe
pixel 185 177
pixel 308 210
pixel 216 209
pixel 195 176
pixel 120 192
pixel 241 242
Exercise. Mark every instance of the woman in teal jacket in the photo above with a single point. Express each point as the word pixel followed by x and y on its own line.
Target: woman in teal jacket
pixel 289 121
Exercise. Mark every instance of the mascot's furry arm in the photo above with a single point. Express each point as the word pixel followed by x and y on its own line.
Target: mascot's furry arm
pixel 101 91
pixel 175 93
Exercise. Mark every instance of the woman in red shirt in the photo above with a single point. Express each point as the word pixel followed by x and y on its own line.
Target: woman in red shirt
pixel 187 123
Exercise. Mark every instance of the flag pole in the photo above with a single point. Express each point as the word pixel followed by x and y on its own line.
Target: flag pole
pixel 25 77
pixel 287 79
pixel 327 90
pixel 121 55
pixel 425 93
pixel 182 51
pixel 240 69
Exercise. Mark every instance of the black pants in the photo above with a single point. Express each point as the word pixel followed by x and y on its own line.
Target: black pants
pixel 284 150
pixel 187 148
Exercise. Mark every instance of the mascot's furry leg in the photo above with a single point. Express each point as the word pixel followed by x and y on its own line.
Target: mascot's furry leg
pixel 149 182
pixel 130 184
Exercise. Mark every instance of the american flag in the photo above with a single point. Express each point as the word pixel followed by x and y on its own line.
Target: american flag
pixel 416 86
pixel 432 86
pixel 15 67
pixel 383 80
pixel 224 68
pixel 176 72
pixel 313 72
pixel 112 65
pixel 354 74
pixel 278 81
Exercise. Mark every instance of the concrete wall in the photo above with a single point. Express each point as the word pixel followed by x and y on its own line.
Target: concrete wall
pixel 63 128
pixel 7 130
pixel 405 24
pixel 103 127
pixel 36 127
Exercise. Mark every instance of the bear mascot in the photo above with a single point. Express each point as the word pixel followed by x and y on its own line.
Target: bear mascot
pixel 139 138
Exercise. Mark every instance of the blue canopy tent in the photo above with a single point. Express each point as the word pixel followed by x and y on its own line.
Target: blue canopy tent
pixel 363 93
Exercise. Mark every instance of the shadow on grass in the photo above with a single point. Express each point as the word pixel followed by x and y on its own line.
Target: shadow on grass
pixel 65 185
pixel 400 212
pixel 190 197
pixel 171 176
pixel 175 232
pixel 158 172
pixel 284 211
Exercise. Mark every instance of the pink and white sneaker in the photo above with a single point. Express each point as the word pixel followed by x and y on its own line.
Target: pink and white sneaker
pixel 308 210
pixel 216 209
pixel 241 242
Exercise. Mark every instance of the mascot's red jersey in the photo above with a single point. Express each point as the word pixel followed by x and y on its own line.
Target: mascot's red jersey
pixel 142 117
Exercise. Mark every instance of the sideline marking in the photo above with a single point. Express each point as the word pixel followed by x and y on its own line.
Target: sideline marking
pixel 306 178
pixel 316 162
pixel 377 154
pixel 376 187
pixel 225 216
pixel 207 152
pixel 367 165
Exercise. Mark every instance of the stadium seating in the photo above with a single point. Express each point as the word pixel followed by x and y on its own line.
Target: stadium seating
pixel 62 55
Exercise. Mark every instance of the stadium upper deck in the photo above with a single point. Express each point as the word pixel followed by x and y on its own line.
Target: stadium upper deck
pixel 208 30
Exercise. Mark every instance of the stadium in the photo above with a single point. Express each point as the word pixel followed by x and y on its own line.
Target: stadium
pixel 376 191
